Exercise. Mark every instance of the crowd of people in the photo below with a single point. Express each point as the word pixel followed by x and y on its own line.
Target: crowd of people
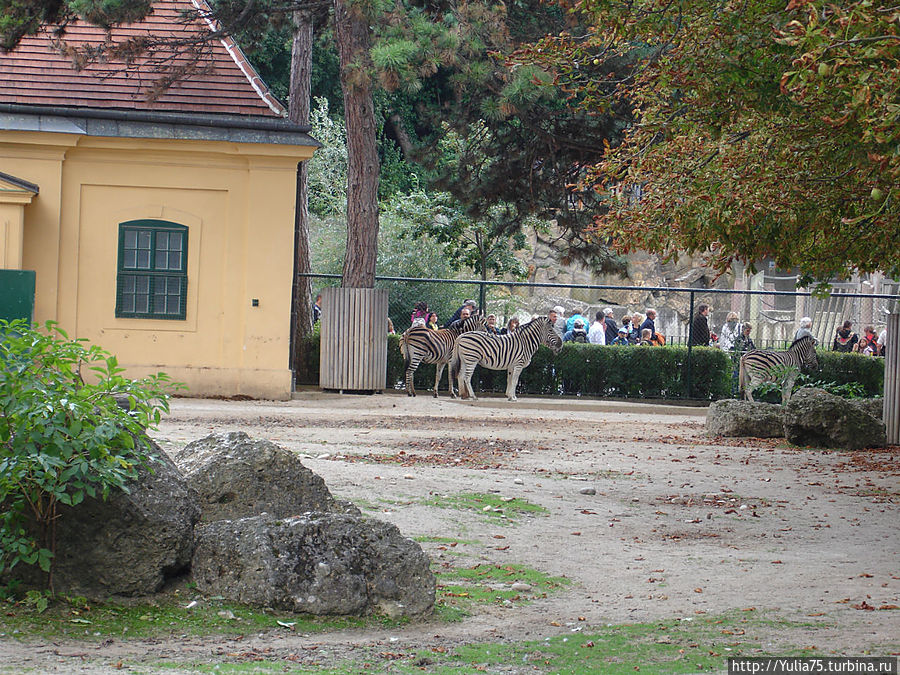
pixel 869 343
pixel 640 329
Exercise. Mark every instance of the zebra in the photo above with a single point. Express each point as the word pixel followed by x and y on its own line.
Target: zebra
pixel 511 352
pixel 758 366
pixel 423 345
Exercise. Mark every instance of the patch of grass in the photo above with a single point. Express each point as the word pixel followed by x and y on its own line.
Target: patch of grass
pixel 501 510
pixel 458 589
pixel 256 668
pixel 664 647
pixel 79 620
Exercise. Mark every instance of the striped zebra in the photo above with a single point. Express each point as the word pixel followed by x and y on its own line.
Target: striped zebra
pixel 423 345
pixel 758 366
pixel 511 352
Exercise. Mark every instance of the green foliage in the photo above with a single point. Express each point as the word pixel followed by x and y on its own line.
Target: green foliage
pixel 477 244
pixel 396 257
pixel 328 167
pixel 839 370
pixel 793 159
pixel 63 436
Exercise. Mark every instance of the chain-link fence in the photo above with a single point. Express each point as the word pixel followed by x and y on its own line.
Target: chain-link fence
pixel 774 314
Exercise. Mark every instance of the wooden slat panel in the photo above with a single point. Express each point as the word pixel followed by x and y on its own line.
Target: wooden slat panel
pixel 353 353
pixel 892 380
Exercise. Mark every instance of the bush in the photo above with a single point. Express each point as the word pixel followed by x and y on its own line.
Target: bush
pixel 836 369
pixel 637 372
pixel 61 438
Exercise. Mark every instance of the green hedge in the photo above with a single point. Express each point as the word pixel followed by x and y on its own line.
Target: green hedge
pixel 837 368
pixel 622 372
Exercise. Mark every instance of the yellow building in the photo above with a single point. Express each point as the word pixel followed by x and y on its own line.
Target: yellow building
pixel 160 228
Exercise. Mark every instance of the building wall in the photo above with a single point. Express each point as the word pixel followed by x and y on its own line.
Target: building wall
pixel 237 201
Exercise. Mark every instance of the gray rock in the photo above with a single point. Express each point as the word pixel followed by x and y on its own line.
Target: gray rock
pixel 238 477
pixel 732 417
pixel 318 563
pixel 814 417
pixel 871 406
pixel 129 544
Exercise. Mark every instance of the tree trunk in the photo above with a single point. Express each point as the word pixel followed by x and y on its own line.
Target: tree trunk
pixel 351 28
pixel 298 107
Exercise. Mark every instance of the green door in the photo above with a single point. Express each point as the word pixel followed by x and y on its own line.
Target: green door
pixel 17 294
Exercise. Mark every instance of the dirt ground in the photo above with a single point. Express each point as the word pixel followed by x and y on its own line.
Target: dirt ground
pixel 649 518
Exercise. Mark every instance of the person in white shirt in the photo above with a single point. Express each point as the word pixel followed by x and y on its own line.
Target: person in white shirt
pixel 597 333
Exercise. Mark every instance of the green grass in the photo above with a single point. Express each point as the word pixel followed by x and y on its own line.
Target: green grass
pixel 694 645
pixel 666 647
pixel 79 620
pixel 495 508
pixel 459 589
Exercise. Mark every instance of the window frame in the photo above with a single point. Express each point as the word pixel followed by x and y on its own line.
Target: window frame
pixel 154 227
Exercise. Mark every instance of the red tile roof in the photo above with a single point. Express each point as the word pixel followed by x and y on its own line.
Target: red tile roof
pixel 35 73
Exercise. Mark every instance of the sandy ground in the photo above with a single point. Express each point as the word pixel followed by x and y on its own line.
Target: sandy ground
pixel 679 524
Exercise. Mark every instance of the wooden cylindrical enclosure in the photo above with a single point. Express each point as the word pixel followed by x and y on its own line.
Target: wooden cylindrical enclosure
pixel 353 339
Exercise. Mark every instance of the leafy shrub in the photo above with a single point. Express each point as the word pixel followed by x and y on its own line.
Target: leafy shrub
pixel 63 438
pixel 836 369
pixel 640 372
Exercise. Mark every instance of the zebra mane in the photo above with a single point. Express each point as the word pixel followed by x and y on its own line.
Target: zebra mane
pixel 805 337
pixel 536 319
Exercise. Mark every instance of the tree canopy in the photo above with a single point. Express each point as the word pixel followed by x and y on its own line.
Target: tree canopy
pixel 762 130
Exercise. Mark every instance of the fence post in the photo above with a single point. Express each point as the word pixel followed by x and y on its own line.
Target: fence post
pixel 689 384
pixel 892 380
pixel 481 294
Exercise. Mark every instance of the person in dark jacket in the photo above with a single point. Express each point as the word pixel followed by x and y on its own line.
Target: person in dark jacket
pixel 612 328
pixel 700 327
pixel 471 304
pixel 845 339
pixel 650 322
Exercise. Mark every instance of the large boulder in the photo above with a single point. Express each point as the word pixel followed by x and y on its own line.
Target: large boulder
pixel 814 417
pixel 872 406
pixel 732 417
pixel 129 544
pixel 238 477
pixel 318 563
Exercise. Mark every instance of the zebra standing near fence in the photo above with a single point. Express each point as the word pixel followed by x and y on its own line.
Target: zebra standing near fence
pixel 511 352
pixel 423 345
pixel 759 365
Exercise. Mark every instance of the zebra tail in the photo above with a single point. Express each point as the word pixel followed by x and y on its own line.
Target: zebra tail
pixel 404 349
pixel 742 377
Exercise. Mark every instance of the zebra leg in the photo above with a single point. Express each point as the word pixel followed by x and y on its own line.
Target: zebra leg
pixel 512 381
pixel 466 373
pixel 787 388
pixel 438 371
pixel 411 365
pixel 453 373
pixel 749 387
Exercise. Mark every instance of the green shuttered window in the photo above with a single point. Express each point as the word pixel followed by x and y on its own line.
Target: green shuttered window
pixel 152 270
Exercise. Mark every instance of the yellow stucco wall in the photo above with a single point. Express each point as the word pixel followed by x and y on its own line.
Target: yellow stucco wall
pixel 237 201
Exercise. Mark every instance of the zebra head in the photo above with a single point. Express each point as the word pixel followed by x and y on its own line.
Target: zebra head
pixel 550 337
pixel 805 349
